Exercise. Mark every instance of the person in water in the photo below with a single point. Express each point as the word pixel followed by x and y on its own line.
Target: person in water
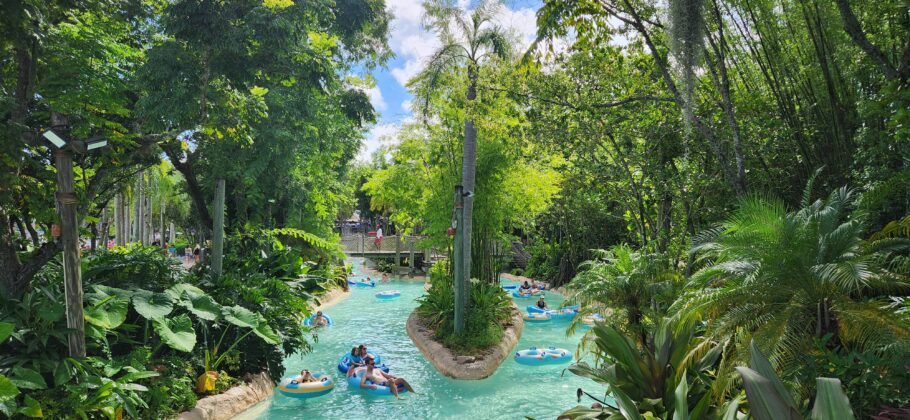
pixel 379 378
pixel 320 320
pixel 525 289
pixel 367 281
pixel 364 353
pixel 305 376
pixel 385 277
pixel 541 304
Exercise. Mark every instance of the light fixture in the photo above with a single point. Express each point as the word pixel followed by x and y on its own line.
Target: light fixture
pixel 95 144
pixel 54 138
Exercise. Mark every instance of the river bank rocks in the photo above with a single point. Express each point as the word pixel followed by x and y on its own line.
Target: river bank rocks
pixel 475 366
pixel 226 405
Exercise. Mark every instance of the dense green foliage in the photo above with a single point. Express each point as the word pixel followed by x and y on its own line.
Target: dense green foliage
pixel 490 309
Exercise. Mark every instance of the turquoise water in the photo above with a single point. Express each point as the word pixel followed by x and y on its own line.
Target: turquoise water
pixel 513 392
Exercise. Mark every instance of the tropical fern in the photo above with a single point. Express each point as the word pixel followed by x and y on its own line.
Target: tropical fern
pixel 784 278
pixel 324 246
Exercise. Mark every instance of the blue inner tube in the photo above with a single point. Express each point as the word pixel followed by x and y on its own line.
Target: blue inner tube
pixel 345 362
pixel 309 320
pixel 509 286
pixel 354 382
pixel 549 356
pixel 534 308
pixel 362 283
pixel 515 294
pixel 388 294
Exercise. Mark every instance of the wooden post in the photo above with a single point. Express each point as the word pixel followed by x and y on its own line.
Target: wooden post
pixel 411 264
pixel 397 252
pixel 218 245
pixel 69 232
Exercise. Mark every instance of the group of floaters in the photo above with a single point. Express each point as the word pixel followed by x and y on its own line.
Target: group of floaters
pixel 368 282
pixel 362 372
pixel 526 290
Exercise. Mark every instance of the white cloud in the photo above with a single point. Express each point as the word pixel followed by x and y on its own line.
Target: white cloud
pixel 376 98
pixel 407 106
pixel 379 135
pixel 414 45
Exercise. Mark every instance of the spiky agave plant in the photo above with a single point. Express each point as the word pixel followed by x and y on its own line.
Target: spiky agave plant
pixel 784 278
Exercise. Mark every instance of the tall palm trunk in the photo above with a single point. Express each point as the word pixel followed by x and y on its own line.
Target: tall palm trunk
pixel 468 168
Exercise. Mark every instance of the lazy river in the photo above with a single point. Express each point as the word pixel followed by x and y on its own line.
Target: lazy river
pixel 514 391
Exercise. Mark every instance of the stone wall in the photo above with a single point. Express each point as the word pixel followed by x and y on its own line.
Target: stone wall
pixel 477 366
pixel 233 401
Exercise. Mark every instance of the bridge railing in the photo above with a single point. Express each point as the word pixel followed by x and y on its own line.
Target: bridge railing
pixel 360 243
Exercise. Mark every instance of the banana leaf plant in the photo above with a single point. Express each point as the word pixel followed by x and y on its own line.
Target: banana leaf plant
pixel 657 381
pixel 769 398
pixel 169 315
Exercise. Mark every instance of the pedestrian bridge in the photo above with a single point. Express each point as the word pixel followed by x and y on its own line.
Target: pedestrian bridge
pixel 395 246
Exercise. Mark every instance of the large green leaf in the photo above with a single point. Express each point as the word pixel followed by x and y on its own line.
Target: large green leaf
pixel 618 347
pixel 628 408
pixel 681 405
pixel 6 330
pixel 111 291
pixel 177 333
pixel 241 317
pixel 204 307
pixel 31 408
pixel 8 390
pixel 62 373
pixel 27 378
pixel 731 408
pixel 178 291
pixel 765 403
pixel 108 313
pixel 266 333
pixel 151 305
pixel 760 363
pixel 830 401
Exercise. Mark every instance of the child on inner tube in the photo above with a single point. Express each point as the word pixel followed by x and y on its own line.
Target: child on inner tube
pixel 305 376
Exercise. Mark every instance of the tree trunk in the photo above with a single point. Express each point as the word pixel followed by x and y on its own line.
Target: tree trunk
pixel 458 261
pixel 161 219
pixel 137 228
pixel 192 187
pixel 218 245
pixel 468 168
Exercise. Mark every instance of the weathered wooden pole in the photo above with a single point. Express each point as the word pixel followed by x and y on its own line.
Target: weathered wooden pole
pixel 397 253
pixel 411 255
pixel 218 219
pixel 458 264
pixel 69 233
pixel 137 228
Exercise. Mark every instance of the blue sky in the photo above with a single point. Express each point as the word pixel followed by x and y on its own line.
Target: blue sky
pixel 412 45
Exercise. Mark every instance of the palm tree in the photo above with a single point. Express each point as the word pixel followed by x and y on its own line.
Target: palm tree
pixel 785 279
pixel 469 39
pixel 621 279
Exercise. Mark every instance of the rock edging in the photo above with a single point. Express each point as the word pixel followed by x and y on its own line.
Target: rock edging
pixel 454 366
pixel 234 401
